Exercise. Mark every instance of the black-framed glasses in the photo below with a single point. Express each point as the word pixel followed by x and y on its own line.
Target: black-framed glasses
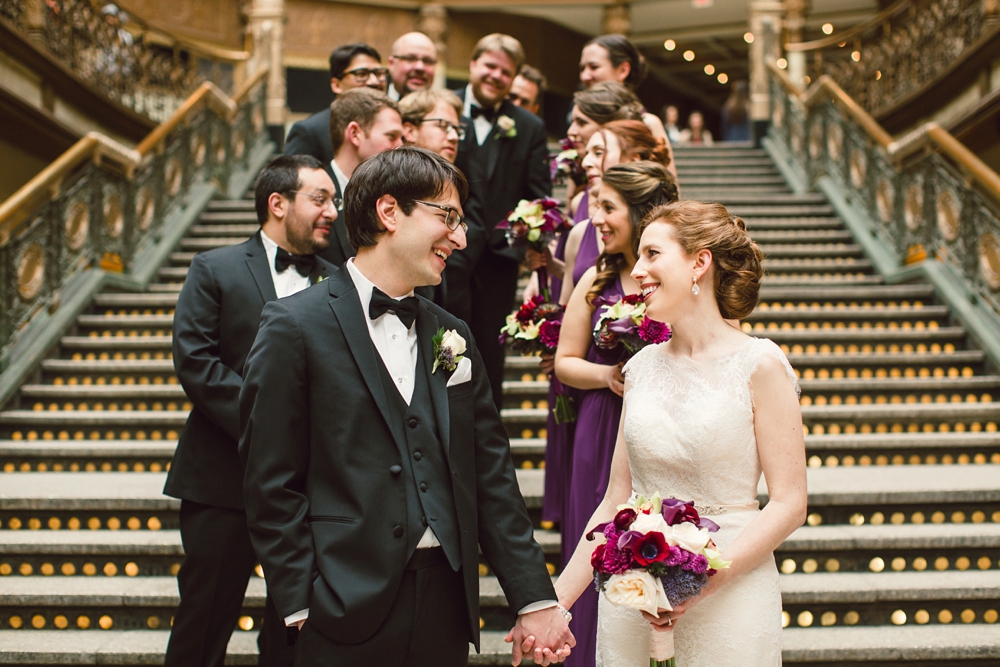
pixel 361 74
pixel 453 219
pixel 321 198
pixel 411 59
pixel 447 126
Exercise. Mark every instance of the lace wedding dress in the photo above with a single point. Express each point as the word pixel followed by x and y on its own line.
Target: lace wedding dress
pixel 690 435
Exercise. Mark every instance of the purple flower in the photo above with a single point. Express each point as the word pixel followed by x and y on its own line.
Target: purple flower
pixel 682 585
pixel 697 564
pixel 677 557
pixel 548 333
pixel 624 325
pixel 654 332
pixel 615 560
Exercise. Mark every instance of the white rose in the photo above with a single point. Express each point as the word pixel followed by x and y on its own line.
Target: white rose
pixel 505 123
pixel 645 523
pixel 637 589
pixel 451 340
pixel 688 536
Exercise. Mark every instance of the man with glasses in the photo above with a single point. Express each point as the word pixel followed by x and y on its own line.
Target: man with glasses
pixel 411 65
pixel 215 323
pixel 351 66
pixel 363 123
pixel 431 120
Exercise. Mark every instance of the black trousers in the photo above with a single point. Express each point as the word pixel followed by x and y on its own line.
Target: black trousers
pixel 427 625
pixel 218 561
pixel 494 286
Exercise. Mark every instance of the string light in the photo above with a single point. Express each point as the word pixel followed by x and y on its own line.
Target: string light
pixel 782 63
pixel 748 37
pixel 723 78
pixel 710 69
pixel 689 55
pixel 670 45
pixel 827 28
pixel 856 56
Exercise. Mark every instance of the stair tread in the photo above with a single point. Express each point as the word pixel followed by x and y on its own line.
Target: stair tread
pixel 908 642
pixel 89 448
pixel 118 342
pixel 856 335
pixel 887 537
pixel 867 587
pixel 79 391
pixel 125 320
pixel 109 365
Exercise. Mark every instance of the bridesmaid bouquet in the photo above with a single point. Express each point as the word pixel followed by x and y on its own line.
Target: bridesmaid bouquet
pixel 656 554
pixel 534 329
pixel 534 224
pixel 624 322
pixel 566 164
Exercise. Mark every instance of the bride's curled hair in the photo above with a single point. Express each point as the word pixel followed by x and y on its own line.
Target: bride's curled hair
pixel 738 260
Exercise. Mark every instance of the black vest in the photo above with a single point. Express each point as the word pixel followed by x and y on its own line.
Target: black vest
pixel 429 497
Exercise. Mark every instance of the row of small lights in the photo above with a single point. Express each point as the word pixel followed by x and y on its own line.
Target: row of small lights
pixel 689 55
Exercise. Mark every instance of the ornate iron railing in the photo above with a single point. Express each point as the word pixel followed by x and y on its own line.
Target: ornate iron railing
pixel 102 204
pixel 150 71
pixel 911 43
pixel 925 195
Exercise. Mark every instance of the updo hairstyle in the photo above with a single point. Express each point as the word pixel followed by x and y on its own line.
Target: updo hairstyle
pixel 607 101
pixel 637 142
pixel 620 50
pixel 738 260
pixel 643 186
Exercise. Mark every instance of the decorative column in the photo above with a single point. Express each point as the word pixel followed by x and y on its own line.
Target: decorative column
pixel 765 25
pixel 617 19
pixel 795 21
pixel 34 15
pixel 266 20
pixel 433 22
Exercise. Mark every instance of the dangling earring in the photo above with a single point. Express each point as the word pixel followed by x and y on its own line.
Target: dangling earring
pixel 694 285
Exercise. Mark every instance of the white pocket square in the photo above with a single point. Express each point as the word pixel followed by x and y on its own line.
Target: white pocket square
pixel 462 374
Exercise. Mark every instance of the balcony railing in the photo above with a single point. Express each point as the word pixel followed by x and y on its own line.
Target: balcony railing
pixel 926 196
pixel 150 71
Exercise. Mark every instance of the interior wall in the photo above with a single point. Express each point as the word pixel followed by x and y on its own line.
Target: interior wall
pixel 20 166
pixel 217 21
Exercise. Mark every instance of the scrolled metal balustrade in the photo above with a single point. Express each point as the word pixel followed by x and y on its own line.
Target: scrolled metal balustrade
pixel 925 196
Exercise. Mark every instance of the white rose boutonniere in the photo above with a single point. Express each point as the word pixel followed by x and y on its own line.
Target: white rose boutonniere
pixel 448 350
pixel 506 127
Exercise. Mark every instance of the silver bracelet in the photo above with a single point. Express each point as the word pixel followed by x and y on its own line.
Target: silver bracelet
pixel 565 612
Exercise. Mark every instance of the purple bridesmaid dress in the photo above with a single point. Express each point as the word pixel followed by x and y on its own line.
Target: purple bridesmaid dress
pixel 599 412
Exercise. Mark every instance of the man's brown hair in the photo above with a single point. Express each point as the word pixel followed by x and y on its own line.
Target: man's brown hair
pixel 360 105
pixel 503 43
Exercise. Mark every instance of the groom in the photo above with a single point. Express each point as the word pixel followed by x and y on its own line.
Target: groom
pixel 377 465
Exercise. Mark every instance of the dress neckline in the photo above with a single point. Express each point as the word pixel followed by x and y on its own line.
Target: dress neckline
pixel 713 360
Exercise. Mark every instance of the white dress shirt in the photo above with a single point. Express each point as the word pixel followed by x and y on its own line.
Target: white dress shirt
pixel 481 126
pixel 287 282
pixel 393 93
pixel 341 177
pixel 397 346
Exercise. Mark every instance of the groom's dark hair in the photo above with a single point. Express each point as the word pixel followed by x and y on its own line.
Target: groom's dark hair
pixel 407 174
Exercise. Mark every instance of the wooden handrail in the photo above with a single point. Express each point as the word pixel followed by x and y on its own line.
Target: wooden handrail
pixel 930 134
pixel 95 145
pixel 889 12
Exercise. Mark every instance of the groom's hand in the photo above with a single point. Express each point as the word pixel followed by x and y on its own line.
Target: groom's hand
pixel 542 635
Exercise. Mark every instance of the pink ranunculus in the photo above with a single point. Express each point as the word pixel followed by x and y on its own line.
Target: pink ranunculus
pixel 548 333
pixel 654 332
pixel 677 557
pixel 615 560
pixel 697 564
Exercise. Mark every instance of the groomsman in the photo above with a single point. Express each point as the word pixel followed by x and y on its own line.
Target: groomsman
pixel 377 465
pixel 527 90
pixel 411 65
pixel 351 66
pixel 363 123
pixel 505 158
pixel 215 323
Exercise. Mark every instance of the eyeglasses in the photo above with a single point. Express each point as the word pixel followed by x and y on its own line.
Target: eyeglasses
pixel 361 74
pixel 447 126
pixel 321 198
pixel 453 220
pixel 412 59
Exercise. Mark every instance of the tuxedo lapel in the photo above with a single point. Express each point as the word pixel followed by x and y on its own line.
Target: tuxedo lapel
pixel 427 326
pixel 347 308
pixel 340 226
pixel 502 144
pixel 261 272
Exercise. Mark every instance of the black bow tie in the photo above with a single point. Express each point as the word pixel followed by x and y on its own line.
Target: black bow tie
pixel 382 303
pixel 476 111
pixel 304 264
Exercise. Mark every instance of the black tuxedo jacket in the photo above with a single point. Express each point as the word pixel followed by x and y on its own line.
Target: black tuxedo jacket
pixel 507 170
pixel 215 323
pixel 325 501
pixel 312 137
pixel 340 248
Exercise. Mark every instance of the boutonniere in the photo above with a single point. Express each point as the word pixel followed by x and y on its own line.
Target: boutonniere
pixel 506 127
pixel 448 350
pixel 320 279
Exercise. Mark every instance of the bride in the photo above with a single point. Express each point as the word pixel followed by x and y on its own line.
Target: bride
pixel 704 415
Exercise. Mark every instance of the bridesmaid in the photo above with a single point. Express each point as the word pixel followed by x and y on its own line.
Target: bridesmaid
pixel 628 192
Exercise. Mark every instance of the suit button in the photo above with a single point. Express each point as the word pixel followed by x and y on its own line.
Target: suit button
pixel 395 470
pixel 413 422
pixel 398 531
pixel 418 455
pixel 423 486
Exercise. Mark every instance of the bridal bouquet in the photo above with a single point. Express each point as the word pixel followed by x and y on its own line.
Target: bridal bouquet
pixel 624 322
pixel 534 224
pixel 566 164
pixel 534 329
pixel 656 554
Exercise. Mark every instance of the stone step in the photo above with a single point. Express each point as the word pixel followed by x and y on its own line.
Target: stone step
pixel 182 258
pixel 172 272
pixel 707 171
pixel 860 334
pixel 902 441
pixel 116 343
pixel 831 280
pixel 219 205
pixel 134 300
pixel 721 162
pixel 918 292
pixel 127 321
pixel 959 357
pixel 780 210
pixel 747 194
pixel 108 366
pixel 757 223
pixel 825 250
pixel 241 231
pixel 838 265
pixel 731 197
pixel 163 288
pixel 801 236
pixel 835 313
pixel 103 392
pixel 202 243
pixel 82 418
pixel 687 182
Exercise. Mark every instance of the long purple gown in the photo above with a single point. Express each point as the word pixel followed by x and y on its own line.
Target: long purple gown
pixel 559 438
pixel 599 412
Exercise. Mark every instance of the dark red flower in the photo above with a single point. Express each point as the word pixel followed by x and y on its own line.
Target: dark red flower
pixel 615 560
pixel 624 519
pixel 651 548
pixel 654 332
pixel 548 333
pixel 632 299
pixel 597 558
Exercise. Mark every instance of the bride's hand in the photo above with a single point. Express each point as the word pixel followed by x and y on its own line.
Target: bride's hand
pixel 668 618
pixel 615 379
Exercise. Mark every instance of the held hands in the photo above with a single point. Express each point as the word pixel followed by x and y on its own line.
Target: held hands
pixel 542 635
